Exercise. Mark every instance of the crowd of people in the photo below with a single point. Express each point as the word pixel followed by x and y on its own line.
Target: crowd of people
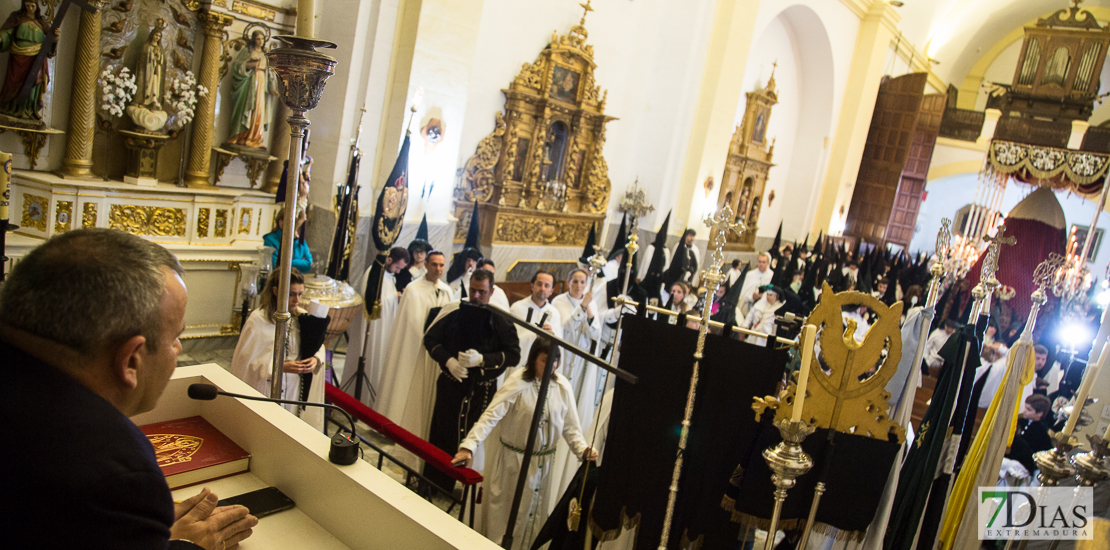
pixel 463 378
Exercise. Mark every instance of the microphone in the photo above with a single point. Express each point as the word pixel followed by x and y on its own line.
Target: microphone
pixel 344 450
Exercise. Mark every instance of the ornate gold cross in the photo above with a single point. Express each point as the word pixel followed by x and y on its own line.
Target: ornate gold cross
pixel 990 263
pixel 585 9
pixel 720 225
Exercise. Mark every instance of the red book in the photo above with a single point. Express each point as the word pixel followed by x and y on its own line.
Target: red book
pixel 192 451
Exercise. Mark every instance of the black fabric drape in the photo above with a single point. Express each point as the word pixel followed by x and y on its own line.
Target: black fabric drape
pixel 314 331
pixel 646 422
pixel 556 529
pixel 855 476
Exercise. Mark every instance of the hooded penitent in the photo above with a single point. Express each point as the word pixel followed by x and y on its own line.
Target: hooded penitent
pixel 471 249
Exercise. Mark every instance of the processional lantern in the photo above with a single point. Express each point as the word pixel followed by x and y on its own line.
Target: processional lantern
pixel 540 177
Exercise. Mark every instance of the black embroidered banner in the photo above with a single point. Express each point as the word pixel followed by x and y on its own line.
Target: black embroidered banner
pixel 646 422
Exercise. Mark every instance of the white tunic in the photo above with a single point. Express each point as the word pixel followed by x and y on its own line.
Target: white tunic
pixel 405 345
pixel 762 319
pixel 511 409
pixel 254 358
pixel 752 281
pixel 933 345
pixel 527 310
pixel 379 332
pixel 499 298
pixel 582 376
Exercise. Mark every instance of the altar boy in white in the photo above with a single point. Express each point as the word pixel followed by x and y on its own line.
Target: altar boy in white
pixel 512 410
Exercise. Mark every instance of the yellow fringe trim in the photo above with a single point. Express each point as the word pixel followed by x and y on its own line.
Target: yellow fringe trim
pixel 626 523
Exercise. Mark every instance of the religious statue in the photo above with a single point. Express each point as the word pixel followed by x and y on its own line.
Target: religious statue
pixel 23 35
pixel 145 109
pixel 251 85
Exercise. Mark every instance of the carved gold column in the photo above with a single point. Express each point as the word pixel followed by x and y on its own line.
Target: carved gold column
pixel 278 148
pixel 82 100
pixel 200 148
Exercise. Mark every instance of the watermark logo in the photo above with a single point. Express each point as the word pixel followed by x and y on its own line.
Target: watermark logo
pixel 1035 513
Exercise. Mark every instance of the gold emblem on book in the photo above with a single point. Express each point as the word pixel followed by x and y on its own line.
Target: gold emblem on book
pixel 173 449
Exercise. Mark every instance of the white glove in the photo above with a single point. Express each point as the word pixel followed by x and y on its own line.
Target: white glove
pixel 458 372
pixel 470 358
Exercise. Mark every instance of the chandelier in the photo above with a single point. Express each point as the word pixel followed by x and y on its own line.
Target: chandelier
pixel 1073 279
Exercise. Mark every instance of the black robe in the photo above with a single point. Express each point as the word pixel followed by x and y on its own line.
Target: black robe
pixel 459 404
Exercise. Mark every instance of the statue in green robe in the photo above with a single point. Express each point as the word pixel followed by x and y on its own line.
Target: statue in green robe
pixel 251 86
pixel 23 35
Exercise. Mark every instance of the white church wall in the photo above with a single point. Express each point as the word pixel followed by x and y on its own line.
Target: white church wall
pixel 811 78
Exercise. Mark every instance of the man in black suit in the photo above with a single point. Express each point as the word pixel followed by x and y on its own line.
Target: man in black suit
pixel 88 337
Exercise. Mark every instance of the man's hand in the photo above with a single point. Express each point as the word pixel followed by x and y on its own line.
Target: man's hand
pixel 462 458
pixel 547 327
pixel 470 358
pixel 197 519
pixel 587 298
pixel 458 372
pixel 589 454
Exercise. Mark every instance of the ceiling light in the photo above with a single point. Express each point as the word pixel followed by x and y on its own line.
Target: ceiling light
pixel 897 3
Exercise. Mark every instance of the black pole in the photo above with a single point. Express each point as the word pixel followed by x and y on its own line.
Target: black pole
pixel 522 478
pixel 540 333
pixel 3 249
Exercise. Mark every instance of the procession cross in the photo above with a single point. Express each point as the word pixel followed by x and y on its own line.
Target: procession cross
pixel 990 263
pixel 47 44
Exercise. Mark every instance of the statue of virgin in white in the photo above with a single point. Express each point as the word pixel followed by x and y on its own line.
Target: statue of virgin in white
pixel 145 109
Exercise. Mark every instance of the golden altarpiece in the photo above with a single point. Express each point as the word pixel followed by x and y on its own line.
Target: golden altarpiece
pixel 749 159
pixel 540 176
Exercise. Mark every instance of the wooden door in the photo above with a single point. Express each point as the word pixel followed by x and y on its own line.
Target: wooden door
pixel 907 201
pixel 889 141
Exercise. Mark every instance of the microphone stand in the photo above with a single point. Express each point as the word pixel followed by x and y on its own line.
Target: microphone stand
pixel 344 450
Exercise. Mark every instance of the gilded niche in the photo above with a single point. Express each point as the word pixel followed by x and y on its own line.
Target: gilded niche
pixel 544 155
pixel 34 211
pixel 63 217
pixel 244 221
pixel 202 222
pixel 221 224
pixel 156 221
pixel 88 215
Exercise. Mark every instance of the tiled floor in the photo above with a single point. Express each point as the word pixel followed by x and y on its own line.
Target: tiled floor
pixel 197 355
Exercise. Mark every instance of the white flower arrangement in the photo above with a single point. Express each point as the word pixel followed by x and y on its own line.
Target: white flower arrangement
pixel 181 96
pixel 117 90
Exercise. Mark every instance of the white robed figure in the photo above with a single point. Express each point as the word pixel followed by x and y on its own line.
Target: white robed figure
pixel 761 318
pixel 511 410
pixel 537 310
pixel 254 354
pixel 581 327
pixel 379 331
pixel 407 341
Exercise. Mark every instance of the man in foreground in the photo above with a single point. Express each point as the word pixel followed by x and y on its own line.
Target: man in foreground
pixel 470 348
pixel 88 337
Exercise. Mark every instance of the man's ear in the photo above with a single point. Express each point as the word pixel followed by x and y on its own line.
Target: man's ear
pixel 127 360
